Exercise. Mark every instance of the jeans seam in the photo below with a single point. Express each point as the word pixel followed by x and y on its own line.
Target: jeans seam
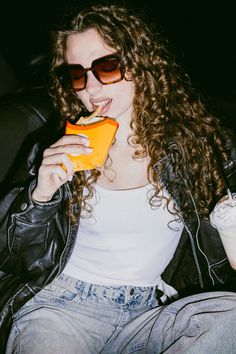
pixel 17 339
pixel 117 329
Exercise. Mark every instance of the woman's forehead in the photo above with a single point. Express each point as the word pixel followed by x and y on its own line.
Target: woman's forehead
pixel 84 47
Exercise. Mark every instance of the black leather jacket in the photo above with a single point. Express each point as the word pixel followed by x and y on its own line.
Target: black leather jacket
pixel 36 240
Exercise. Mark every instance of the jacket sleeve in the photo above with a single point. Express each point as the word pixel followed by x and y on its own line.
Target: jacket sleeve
pixel 230 166
pixel 31 234
pixel 26 231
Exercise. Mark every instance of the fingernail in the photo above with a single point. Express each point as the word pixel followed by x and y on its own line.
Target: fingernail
pixel 89 150
pixel 70 178
pixel 85 142
pixel 84 139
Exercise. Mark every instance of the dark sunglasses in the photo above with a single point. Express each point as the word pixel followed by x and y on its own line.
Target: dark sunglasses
pixel 107 70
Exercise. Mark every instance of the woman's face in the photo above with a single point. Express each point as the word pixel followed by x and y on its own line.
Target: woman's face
pixel 115 99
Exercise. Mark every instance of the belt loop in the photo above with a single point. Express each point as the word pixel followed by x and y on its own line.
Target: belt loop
pixel 85 290
pixel 153 292
pixel 126 294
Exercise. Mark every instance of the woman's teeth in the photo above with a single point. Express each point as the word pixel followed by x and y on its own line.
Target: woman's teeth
pixel 102 103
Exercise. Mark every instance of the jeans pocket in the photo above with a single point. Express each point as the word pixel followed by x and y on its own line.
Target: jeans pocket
pixel 57 293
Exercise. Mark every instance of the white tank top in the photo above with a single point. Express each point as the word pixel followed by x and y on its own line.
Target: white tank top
pixel 125 241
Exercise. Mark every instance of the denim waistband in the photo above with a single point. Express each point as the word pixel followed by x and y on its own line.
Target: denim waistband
pixel 125 294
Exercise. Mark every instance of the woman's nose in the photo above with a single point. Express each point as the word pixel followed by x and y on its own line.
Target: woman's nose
pixel 93 85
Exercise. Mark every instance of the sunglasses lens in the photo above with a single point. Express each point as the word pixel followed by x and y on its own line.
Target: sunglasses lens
pixel 107 70
pixel 74 76
pixel 71 77
pixel 77 77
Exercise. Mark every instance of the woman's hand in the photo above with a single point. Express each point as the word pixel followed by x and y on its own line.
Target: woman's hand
pixel 56 167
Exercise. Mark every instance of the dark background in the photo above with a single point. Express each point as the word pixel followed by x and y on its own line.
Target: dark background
pixel 201 35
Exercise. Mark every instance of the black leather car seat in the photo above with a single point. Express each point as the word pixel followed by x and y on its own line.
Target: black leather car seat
pixel 8 80
pixel 24 120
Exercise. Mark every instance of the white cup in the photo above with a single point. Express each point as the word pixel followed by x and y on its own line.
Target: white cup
pixel 223 218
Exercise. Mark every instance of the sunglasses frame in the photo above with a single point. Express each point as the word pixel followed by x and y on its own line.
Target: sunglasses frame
pixel 64 76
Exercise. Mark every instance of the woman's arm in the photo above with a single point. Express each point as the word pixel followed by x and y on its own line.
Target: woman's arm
pixel 31 235
pixel 25 230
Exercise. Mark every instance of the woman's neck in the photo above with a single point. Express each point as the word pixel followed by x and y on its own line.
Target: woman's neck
pixel 124 130
pixel 122 170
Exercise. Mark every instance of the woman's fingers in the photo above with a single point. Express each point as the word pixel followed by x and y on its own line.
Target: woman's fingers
pixel 67 149
pixel 61 160
pixel 50 178
pixel 56 171
pixel 57 168
pixel 72 140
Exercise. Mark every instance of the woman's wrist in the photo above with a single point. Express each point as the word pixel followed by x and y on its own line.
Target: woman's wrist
pixel 38 197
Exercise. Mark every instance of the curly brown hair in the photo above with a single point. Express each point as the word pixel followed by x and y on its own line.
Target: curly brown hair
pixel 169 118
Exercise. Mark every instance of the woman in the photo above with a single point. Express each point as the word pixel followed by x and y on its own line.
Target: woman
pixel 144 237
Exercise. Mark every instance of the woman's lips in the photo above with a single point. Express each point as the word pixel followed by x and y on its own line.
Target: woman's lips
pixel 104 104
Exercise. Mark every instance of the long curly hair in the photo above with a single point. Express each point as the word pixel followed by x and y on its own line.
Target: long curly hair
pixel 169 118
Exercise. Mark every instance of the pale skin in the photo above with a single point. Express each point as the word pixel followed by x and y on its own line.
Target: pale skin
pixel 116 100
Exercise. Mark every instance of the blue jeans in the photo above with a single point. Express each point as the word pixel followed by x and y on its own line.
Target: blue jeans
pixel 74 317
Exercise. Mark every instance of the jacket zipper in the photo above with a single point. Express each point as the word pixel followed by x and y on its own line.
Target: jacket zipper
pixel 68 234
pixel 197 241
pixel 194 255
pixel 191 239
